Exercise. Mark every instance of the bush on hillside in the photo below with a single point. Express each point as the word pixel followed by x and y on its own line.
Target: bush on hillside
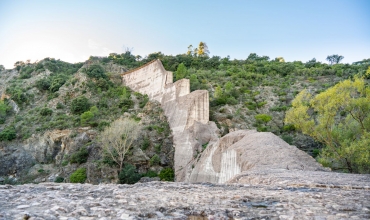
pixel 167 174
pixel 79 176
pixel 80 156
pixel 95 71
pixel 8 134
pixel 129 175
pixel 80 105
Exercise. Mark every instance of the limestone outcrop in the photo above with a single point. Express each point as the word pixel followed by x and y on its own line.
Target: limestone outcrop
pixel 188 117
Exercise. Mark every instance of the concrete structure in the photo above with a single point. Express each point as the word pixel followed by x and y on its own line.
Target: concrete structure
pixel 182 108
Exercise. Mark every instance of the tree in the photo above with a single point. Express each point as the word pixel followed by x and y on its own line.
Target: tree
pixel 181 72
pixel 202 49
pixel 80 105
pixel 190 50
pixel 218 92
pixel 280 59
pixel 334 59
pixel 311 63
pixel 117 139
pixel 340 119
pixel 229 86
pixel 368 72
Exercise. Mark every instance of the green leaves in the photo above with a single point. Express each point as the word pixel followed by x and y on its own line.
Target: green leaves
pixel 181 72
pixel 339 118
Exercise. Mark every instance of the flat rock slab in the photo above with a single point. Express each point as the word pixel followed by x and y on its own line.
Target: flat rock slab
pixel 165 200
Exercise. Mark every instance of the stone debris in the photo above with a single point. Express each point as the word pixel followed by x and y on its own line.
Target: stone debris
pixel 169 200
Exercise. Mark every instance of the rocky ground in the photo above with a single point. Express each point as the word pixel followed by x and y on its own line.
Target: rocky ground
pixel 328 196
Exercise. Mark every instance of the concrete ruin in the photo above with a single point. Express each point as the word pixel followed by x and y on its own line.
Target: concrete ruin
pixel 188 117
pixel 184 110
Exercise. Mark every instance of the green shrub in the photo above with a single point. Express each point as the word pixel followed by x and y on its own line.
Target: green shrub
pixel 102 125
pixel 126 104
pixel 263 118
pixel 251 105
pixel 60 105
pixel 144 101
pixel 8 134
pixel 79 176
pixel 288 127
pixel 157 148
pixel 261 128
pixel 145 144
pixel 43 84
pixel 80 156
pixel 279 108
pixel 151 173
pixel 315 152
pixel 46 111
pixel 288 139
pixel 261 104
pixel 95 71
pixel 86 117
pixel 167 174
pixel 128 175
pixel 59 179
pixel 80 105
pixel 155 160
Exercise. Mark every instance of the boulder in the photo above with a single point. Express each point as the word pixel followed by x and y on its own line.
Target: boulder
pixel 249 150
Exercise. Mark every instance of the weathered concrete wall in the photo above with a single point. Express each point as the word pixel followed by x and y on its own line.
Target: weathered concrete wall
pixel 182 108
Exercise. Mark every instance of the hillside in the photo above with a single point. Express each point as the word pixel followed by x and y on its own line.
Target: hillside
pixel 53 111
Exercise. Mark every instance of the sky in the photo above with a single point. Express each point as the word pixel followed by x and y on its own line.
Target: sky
pixel 74 30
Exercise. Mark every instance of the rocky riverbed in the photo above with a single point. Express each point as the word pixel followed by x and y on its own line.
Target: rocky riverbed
pixel 166 200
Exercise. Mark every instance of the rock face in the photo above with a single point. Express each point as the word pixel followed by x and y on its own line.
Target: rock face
pixel 224 157
pixel 182 108
pixel 242 151
pixel 272 197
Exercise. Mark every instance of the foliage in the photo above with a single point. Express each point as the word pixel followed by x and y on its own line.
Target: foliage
pixel 128 175
pixel 118 138
pixel 202 49
pixel 4 110
pixel 167 174
pixel 46 111
pixel 79 176
pixel 340 119
pixel 151 173
pixel 59 179
pixel 334 59
pixel 8 134
pixel 18 94
pixel 80 156
pixel 80 105
pixel 263 118
pixel 87 118
pixel 181 72
pixel 155 160
pixel 95 71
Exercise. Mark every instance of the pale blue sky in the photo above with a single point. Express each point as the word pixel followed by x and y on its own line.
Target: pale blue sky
pixel 74 30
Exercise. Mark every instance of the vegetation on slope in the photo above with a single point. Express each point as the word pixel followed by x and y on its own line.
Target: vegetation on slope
pixel 244 94
pixel 54 95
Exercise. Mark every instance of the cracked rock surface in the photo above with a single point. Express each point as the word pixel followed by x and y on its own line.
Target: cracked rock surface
pixel 168 200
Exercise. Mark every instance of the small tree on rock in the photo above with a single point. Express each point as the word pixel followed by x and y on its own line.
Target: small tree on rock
pixel 117 139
